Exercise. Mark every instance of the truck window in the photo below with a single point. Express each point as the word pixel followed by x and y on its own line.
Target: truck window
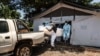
pixel 3 27
pixel 21 27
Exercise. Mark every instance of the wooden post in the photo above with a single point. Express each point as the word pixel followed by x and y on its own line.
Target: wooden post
pixel 74 15
pixel 61 14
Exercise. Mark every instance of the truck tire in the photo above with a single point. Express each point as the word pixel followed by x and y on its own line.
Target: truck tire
pixel 23 50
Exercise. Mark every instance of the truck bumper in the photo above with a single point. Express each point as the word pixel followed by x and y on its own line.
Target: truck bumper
pixel 6 54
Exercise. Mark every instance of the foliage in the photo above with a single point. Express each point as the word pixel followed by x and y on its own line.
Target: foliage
pixel 6 12
pixel 96 4
pixel 5 2
pixel 81 2
pixel 33 7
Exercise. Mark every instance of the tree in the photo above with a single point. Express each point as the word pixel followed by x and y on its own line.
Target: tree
pixel 15 14
pixel 32 7
pixel 97 5
pixel 6 12
pixel 81 2
pixel 5 2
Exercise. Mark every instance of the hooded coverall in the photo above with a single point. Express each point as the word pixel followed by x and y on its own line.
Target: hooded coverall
pixel 66 31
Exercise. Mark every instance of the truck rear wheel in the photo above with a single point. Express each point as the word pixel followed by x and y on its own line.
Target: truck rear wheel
pixel 23 50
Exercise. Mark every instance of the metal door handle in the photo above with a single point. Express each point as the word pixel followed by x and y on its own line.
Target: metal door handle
pixel 7 37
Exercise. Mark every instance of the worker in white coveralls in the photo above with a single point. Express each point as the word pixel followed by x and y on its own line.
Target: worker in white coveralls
pixel 66 31
pixel 53 35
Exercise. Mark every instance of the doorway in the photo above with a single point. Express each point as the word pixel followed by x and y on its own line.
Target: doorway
pixel 60 25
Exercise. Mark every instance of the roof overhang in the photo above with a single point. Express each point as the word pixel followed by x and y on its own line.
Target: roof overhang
pixel 59 5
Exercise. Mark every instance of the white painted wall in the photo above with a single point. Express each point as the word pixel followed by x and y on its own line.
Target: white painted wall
pixel 38 22
pixel 86 31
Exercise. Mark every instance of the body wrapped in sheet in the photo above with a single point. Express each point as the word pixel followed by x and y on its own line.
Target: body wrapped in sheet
pixel 45 29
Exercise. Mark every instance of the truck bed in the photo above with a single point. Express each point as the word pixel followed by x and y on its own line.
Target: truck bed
pixel 37 37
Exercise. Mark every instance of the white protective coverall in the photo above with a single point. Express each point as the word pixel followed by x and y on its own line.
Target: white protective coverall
pixel 53 37
pixel 66 31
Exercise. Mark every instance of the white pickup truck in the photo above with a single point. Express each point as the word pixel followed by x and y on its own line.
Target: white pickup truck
pixel 16 38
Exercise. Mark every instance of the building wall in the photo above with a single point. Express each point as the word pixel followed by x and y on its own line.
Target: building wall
pixel 38 22
pixel 86 31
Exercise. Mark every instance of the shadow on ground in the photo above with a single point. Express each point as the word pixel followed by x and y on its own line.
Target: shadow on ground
pixel 70 48
pixel 61 47
pixel 38 50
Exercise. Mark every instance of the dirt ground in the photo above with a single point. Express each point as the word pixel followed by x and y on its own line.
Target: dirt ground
pixel 65 50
